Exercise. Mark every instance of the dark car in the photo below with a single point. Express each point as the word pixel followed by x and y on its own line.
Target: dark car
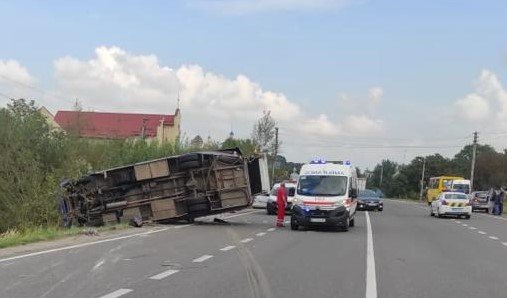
pixel 480 201
pixel 369 200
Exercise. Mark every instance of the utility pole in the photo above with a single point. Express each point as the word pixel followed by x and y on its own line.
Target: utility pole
pixel 276 153
pixel 474 153
pixel 422 180
pixel 381 173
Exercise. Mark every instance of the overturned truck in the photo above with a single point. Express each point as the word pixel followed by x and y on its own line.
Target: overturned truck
pixel 167 189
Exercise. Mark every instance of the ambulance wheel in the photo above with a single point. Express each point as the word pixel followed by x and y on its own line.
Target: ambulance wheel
pixel 346 226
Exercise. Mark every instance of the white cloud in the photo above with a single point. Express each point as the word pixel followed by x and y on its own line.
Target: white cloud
pixel 14 79
pixel 489 96
pixel 241 7
pixel 374 98
pixel 363 125
pixel 473 107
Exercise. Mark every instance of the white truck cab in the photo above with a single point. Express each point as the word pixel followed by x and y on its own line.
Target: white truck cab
pixel 326 195
pixel 462 186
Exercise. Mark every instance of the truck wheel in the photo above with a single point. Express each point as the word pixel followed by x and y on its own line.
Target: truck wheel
pixel 197 208
pixel 189 165
pixel 431 212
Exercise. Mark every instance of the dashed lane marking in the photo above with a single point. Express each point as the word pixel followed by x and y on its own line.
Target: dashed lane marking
pixel 246 240
pixel 271 229
pixel 465 225
pixel 504 243
pixel 117 293
pixel 202 258
pixel 260 234
pixel 164 274
pixel 493 238
pixel 472 228
pixel 228 248
pixel 482 232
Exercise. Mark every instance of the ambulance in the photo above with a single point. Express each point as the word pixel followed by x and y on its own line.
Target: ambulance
pixel 326 195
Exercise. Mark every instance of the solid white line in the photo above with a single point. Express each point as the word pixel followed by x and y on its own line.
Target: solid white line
pixel 117 293
pixel 183 226
pixel 271 229
pixel 164 274
pixel 228 248
pixel 482 233
pixel 260 234
pixel 241 214
pixel 371 278
pixel 202 259
pixel 80 245
pixel 246 240
pixel 493 237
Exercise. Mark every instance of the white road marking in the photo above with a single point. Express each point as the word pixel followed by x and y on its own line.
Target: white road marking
pixel 371 278
pixel 465 225
pixel 202 259
pixel 43 252
pixel 228 248
pixel 164 274
pixel 458 221
pixel 472 228
pixel 117 293
pixel 504 243
pixel 493 238
pixel 260 234
pixel 271 229
pixel 482 233
pixel 100 263
pixel 246 240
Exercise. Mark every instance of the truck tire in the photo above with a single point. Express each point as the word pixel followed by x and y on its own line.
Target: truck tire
pixel 198 208
pixel 188 157
pixel 192 164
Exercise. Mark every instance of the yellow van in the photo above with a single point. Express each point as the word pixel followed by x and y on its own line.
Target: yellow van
pixel 439 184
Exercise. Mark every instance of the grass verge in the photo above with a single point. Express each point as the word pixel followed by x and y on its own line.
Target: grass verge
pixel 31 235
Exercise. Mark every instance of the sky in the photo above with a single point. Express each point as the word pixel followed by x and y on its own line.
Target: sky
pixel 358 80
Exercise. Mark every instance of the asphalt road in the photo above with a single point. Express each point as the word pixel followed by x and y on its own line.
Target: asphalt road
pixel 407 254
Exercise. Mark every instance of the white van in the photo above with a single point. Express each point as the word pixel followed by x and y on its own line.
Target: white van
pixel 326 195
pixel 462 186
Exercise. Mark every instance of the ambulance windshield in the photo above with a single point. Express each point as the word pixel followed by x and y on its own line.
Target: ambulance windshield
pixel 322 185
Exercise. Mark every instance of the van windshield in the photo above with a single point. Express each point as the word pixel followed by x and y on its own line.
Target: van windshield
pixel 322 185
pixel 461 188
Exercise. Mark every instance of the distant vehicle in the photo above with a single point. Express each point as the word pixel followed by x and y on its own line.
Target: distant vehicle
pixel 260 200
pixel 271 206
pixel 439 184
pixel 451 203
pixel 326 195
pixel 369 200
pixel 481 201
pixel 460 186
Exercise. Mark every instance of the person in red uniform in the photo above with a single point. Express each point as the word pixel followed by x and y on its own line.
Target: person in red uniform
pixel 281 202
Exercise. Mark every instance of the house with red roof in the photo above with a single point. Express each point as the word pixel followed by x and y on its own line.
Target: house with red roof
pixel 106 125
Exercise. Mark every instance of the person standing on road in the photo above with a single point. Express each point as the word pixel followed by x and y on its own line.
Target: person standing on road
pixel 494 199
pixel 281 202
pixel 500 199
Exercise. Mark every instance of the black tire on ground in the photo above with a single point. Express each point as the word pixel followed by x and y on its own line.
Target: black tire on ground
pixel 198 208
pixel 467 216
pixel 352 222
pixel 189 157
pixel 380 209
pixel 197 201
pixel 345 227
pixel 293 225
pixel 189 165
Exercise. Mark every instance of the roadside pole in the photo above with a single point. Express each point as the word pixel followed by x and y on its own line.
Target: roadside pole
pixel 422 180
pixel 381 174
pixel 274 160
pixel 474 153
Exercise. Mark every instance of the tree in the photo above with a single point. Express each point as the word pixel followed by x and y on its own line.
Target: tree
pixel 246 146
pixel 263 133
pixel 197 142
